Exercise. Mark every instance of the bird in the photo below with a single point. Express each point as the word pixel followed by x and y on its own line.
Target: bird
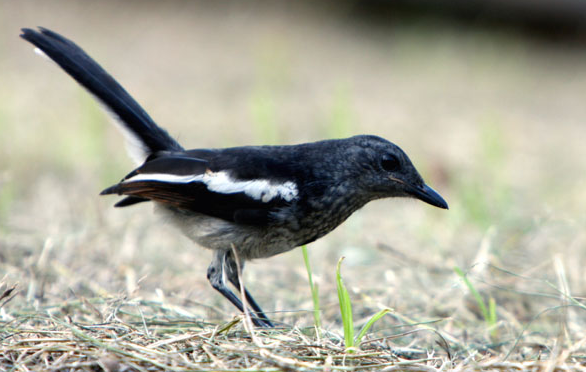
pixel 247 202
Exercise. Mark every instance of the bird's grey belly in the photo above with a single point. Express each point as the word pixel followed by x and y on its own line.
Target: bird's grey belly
pixel 217 234
pixel 291 227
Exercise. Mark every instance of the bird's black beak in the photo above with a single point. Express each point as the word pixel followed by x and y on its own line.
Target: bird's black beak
pixel 428 195
pixel 423 193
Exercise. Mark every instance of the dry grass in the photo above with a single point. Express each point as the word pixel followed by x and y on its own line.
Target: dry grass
pixel 493 120
pixel 77 335
pixel 122 340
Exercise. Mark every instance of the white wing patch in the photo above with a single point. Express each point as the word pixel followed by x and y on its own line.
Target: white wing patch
pixel 221 182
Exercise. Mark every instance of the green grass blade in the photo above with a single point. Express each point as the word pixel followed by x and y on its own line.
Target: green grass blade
pixel 492 311
pixel 369 324
pixel 345 309
pixel 475 293
pixel 314 290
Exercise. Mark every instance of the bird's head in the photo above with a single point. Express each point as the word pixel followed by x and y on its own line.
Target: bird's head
pixel 386 171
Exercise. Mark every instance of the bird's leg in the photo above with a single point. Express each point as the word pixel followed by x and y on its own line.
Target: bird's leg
pixel 232 273
pixel 217 278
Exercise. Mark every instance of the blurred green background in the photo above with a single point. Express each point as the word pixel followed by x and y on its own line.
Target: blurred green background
pixel 492 115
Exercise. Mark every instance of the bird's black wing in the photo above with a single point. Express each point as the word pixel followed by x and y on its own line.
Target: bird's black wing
pixel 189 184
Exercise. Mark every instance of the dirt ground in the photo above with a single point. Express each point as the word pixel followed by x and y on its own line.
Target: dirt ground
pixel 493 119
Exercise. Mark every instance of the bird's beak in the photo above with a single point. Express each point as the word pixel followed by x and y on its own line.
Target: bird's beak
pixel 424 193
pixel 428 195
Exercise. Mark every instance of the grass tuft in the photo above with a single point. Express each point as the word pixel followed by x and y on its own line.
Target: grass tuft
pixel 314 290
pixel 351 342
pixel 345 309
pixel 488 310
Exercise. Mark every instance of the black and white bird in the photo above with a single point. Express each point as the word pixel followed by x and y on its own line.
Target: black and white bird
pixel 258 200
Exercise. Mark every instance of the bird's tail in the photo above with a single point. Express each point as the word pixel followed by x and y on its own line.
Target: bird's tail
pixel 143 135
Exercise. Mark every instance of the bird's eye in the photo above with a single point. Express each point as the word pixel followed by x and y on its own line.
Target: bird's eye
pixel 390 163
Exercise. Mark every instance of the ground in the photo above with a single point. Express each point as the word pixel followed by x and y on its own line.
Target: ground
pixel 493 119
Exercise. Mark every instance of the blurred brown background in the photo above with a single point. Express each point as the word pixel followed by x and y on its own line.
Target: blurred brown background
pixel 487 99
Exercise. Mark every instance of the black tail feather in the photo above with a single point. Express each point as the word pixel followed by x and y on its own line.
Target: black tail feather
pixel 130 200
pixel 94 78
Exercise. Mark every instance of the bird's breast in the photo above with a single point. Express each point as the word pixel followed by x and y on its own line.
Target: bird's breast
pixel 319 214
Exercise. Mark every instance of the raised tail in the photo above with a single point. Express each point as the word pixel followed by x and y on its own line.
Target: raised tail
pixel 143 135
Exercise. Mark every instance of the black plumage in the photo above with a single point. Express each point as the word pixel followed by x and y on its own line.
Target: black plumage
pixel 258 200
